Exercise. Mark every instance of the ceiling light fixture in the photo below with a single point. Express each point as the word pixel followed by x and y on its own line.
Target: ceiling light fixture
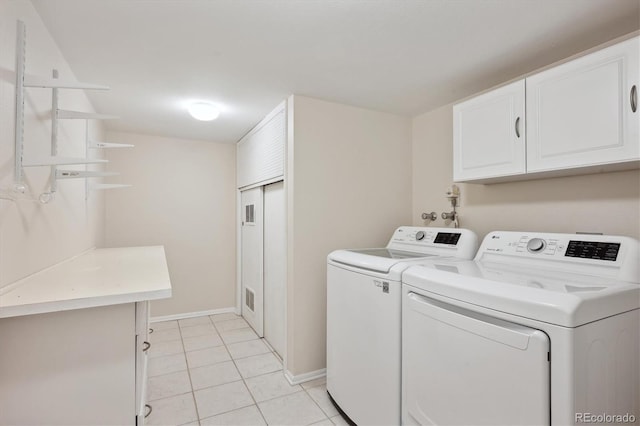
pixel 203 111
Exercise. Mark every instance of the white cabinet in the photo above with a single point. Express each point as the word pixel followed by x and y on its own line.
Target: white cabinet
pixel 489 137
pixel 580 113
pixel 74 367
pixel 580 117
pixel 142 346
pixel 74 338
pixel 260 154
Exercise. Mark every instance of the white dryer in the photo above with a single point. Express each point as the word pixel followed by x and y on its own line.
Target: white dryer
pixel 364 318
pixel 538 329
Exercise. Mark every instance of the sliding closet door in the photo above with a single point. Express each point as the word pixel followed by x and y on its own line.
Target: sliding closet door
pixel 252 258
pixel 275 266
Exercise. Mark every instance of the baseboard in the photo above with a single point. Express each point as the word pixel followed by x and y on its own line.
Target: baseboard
pixel 192 314
pixel 305 377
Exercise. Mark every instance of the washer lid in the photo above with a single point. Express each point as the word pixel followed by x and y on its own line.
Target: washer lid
pixel 375 259
pixel 555 297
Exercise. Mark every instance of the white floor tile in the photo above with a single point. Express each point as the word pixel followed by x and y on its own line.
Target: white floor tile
pixel 197 330
pixel 224 317
pixel 175 410
pixel 269 386
pixel 231 324
pixel 314 383
pixel 207 356
pixel 213 375
pixel 223 398
pixel 165 335
pixel 294 409
pixel 168 385
pixel 238 335
pixel 188 322
pixel 248 416
pixel 200 342
pixel 258 364
pixel 319 395
pixel 325 422
pixel 339 420
pixel 163 325
pixel 248 348
pixel 165 348
pixel 166 364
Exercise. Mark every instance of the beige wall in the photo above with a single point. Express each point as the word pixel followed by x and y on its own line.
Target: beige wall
pixel 34 236
pixel 184 198
pixel 608 203
pixel 348 185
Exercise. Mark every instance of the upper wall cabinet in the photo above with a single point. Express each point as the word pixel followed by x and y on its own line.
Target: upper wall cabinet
pixel 581 117
pixel 488 136
pixel 581 113
pixel 260 154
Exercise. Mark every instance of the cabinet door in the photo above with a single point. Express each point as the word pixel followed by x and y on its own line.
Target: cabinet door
pixel 580 113
pixel 142 346
pixel 489 134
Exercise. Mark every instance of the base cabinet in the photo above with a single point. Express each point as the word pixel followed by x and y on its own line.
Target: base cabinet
pixel 77 367
pixel 142 348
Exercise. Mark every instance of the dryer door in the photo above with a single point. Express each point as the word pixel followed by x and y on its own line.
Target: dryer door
pixel 462 368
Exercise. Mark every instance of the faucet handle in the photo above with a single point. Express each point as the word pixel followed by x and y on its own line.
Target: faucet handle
pixel 429 216
pixel 449 216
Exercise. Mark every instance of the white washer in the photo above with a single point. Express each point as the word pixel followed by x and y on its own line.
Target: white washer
pixel 538 329
pixel 364 318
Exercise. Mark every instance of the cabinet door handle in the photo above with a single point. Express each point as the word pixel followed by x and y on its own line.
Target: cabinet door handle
pixel 517 127
pixel 149 410
pixel 146 346
pixel 151 331
pixel 634 98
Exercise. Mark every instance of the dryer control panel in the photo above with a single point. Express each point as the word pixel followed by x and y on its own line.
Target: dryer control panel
pixel 614 256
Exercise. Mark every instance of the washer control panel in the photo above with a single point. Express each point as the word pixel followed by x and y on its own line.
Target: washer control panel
pixel 435 241
pixel 426 236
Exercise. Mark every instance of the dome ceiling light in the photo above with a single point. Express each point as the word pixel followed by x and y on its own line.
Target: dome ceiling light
pixel 203 111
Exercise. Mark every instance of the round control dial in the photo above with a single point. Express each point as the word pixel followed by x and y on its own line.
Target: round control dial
pixel 420 235
pixel 536 244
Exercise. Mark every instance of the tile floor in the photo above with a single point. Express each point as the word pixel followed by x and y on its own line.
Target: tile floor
pixel 214 370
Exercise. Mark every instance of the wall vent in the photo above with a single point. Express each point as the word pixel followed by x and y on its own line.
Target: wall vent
pixel 249 216
pixel 249 299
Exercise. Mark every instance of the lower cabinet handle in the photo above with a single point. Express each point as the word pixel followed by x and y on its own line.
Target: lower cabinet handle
pixel 517 126
pixel 149 410
pixel 634 98
pixel 146 346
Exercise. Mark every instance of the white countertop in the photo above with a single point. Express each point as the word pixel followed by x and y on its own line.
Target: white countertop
pixel 98 277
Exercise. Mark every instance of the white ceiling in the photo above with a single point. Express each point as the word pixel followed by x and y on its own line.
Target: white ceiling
pixel 404 57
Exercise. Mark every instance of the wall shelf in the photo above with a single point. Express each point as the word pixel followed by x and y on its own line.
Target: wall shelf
pixel 103 186
pixel 24 81
pixel 62 161
pixel 106 145
pixel 79 174
pixel 52 83
pixel 63 114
